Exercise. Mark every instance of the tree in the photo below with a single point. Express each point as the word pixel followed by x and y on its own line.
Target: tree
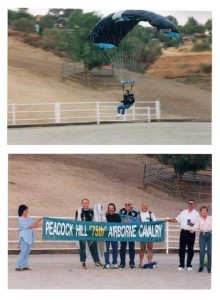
pixel 21 13
pixel 186 162
pixel 74 39
pixel 172 19
pixel 192 26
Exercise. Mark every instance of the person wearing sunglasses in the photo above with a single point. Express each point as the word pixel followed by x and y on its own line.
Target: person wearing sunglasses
pixel 187 219
pixel 128 215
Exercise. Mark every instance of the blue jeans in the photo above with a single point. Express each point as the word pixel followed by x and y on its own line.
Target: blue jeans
pixel 114 252
pixel 121 108
pixel 205 239
pixel 123 253
pixel 23 256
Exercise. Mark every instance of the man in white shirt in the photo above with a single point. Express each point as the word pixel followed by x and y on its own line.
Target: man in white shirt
pixel 187 218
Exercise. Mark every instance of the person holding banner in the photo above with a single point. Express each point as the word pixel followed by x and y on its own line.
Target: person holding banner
pixel 187 219
pixel 146 216
pixel 26 236
pixel 86 214
pixel 128 215
pixel 111 216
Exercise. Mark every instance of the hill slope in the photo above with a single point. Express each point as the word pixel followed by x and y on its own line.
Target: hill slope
pixel 54 185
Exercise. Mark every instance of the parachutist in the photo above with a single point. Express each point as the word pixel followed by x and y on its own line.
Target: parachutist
pixel 128 101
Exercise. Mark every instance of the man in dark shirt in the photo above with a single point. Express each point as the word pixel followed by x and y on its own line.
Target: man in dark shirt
pixel 125 104
pixel 111 216
pixel 86 214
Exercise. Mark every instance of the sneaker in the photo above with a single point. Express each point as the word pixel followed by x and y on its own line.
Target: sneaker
pixel 200 269
pixel 99 265
pixel 84 266
pixel 119 116
pixel 121 266
pixel 132 267
pixel 107 266
pixel 180 269
pixel 18 269
pixel 189 269
pixel 115 266
pixel 140 266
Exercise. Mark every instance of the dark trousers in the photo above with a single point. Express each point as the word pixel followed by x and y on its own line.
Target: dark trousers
pixel 205 239
pixel 123 253
pixel 92 248
pixel 187 239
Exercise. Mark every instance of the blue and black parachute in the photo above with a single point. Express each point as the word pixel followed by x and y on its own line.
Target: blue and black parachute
pixel 109 32
pixel 112 32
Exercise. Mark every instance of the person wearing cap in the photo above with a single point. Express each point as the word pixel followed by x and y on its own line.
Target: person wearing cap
pixel 128 215
pixel 187 219
pixel 26 236
pixel 204 225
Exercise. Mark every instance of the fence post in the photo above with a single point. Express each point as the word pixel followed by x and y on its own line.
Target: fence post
pixel 148 114
pixel 97 113
pixel 13 114
pixel 167 238
pixel 133 112
pixel 57 112
pixel 157 104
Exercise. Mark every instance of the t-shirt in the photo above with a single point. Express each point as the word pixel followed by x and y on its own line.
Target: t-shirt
pixel 86 215
pixel 147 217
pixel 113 218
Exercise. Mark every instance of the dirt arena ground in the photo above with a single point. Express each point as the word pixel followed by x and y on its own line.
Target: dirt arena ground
pixel 154 133
pixel 64 272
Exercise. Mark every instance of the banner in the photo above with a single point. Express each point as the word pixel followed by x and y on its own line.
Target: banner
pixel 68 230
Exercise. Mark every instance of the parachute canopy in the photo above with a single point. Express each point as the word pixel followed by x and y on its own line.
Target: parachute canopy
pixel 126 45
pixel 109 32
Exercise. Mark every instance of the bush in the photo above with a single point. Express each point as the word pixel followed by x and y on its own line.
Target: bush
pixel 50 38
pixel 33 40
pixel 24 25
pixel 206 68
pixel 199 47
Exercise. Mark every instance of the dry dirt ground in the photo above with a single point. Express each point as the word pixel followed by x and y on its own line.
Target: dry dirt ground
pixel 34 76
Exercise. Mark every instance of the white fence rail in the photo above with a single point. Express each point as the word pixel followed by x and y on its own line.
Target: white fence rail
pixel 171 241
pixel 79 112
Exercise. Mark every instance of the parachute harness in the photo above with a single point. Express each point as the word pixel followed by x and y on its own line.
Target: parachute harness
pixel 124 82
